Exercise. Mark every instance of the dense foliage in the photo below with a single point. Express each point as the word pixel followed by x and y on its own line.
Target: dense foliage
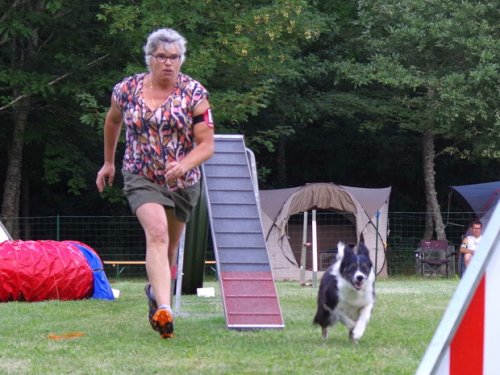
pixel 331 90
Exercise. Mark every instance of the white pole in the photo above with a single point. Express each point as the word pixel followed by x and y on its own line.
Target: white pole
pixel 180 266
pixel 303 251
pixel 314 249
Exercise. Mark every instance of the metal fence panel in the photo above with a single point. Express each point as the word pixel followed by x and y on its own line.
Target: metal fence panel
pixel 121 237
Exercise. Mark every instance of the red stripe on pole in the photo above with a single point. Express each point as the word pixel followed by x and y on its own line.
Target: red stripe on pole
pixel 466 349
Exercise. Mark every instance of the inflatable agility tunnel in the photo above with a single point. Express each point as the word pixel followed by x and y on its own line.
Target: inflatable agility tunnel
pixel 51 270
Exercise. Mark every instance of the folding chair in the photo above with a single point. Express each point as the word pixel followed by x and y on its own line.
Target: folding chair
pixel 434 255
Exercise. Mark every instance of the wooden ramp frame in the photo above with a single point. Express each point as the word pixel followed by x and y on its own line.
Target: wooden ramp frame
pixel 245 275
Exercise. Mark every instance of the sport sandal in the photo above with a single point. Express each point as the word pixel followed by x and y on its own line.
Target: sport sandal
pixel 163 322
pixel 151 304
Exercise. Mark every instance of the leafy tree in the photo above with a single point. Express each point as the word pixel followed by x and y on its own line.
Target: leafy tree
pixel 46 48
pixel 295 77
pixel 248 54
pixel 59 63
pixel 432 67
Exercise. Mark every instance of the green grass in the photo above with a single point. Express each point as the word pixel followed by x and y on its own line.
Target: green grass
pixel 118 339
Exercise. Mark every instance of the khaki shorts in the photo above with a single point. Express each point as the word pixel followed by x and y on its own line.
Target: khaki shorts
pixel 140 190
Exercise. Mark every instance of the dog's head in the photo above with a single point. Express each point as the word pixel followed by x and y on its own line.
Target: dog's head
pixel 355 263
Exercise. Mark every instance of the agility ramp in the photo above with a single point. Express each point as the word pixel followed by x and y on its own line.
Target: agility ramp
pixel 245 275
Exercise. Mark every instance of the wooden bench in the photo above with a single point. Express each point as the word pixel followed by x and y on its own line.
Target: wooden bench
pixel 212 265
pixel 121 264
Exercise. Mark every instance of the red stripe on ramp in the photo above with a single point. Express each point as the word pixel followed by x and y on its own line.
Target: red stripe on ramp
pixel 466 349
pixel 247 275
pixel 250 299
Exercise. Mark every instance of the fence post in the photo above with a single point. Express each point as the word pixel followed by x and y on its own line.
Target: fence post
pixel 58 223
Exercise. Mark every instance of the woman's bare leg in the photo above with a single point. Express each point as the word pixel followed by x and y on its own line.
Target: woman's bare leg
pixel 153 219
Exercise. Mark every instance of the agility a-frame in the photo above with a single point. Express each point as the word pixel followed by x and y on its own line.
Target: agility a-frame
pixel 467 339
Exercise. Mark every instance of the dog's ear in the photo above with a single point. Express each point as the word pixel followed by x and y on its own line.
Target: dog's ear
pixel 362 250
pixel 361 238
pixel 349 249
pixel 340 250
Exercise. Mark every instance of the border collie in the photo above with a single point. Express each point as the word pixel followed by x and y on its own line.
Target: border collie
pixel 347 291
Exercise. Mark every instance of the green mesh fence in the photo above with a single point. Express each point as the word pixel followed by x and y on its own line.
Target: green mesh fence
pixel 120 238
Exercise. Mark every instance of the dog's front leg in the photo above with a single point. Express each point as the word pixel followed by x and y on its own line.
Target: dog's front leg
pixel 348 322
pixel 364 318
pixel 324 332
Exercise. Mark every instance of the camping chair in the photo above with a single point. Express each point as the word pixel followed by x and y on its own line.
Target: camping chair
pixel 327 258
pixel 461 261
pixel 433 256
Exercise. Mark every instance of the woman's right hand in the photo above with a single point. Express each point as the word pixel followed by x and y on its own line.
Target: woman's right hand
pixel 105 176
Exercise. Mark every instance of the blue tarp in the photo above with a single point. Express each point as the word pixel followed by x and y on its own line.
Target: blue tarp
pixel 481 198
pixel 102 288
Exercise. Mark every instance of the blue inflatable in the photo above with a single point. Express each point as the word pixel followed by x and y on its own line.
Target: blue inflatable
pixel 102 288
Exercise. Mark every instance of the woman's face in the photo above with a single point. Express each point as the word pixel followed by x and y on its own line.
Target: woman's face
pixel 166 63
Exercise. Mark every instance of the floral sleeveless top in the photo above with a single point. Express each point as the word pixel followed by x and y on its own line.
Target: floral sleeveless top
pixel 155 137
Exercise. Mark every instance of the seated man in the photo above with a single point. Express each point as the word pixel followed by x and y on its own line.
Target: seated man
pixel 471 242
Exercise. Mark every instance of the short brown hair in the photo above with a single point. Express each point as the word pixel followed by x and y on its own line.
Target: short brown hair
pixel 476 222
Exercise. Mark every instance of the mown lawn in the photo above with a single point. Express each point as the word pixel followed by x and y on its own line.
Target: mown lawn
pixel 99 337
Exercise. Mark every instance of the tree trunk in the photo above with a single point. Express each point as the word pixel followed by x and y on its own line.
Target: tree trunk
pixel 432 203
pixel 13 178
pixel 429 222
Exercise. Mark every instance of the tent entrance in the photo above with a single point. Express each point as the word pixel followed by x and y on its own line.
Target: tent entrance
pixel 331 227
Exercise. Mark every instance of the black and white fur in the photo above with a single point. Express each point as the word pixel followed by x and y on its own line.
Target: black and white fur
pixel 347 291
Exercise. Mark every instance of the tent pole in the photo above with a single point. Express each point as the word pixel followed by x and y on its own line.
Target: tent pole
pixel 303 251
pixel 315 249
pixel 376 242
pixel 448 210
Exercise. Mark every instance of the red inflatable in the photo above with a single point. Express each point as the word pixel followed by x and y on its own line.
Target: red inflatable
pixel 41 270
